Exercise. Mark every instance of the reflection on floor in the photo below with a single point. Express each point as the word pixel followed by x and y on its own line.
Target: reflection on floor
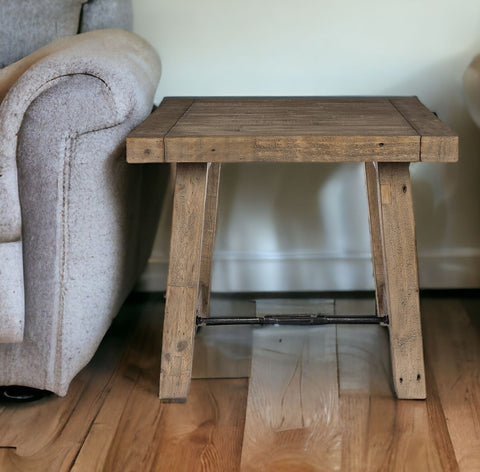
pixel 263 399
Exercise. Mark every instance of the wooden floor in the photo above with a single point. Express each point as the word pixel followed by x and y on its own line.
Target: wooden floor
pixel 318 399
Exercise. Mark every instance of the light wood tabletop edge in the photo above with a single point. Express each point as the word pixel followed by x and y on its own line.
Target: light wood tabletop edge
pixel 438 142
pixel 148 142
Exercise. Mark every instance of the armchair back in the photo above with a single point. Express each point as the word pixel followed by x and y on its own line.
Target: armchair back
pixel 27 25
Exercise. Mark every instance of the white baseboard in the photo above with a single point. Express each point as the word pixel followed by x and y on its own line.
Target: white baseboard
pixel 289 272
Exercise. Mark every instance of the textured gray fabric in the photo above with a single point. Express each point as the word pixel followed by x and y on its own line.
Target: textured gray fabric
pixel 26 25
pixel 101 14
pixel 80 207
pixel 12 297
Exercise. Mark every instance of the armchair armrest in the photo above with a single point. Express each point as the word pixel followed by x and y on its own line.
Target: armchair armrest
pixel 130 70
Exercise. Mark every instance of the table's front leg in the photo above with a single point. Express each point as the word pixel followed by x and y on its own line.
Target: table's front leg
pixel 401 279
pixel 183 281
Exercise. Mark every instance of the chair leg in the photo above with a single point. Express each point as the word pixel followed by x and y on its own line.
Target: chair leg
pixel 183 281
pixel 401 279
pixel 209 233
pixel 375 236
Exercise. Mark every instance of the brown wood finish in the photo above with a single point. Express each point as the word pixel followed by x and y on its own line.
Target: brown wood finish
pixel 112 420
pixel 183 280
pixel 438 142
pixel 134 387
pixel 390 132
pixel 205 434
pixel 293 149
pixel 371 178
pixel 48 434
pixel 146 142
pixel 208 242
pixel 292 129
pixel 401 279
pixel 453 351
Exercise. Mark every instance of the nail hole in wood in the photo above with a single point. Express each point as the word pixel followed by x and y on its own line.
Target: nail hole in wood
pixel 381 144
pixel 213 150
pixel 418 377
pixel 404 189
pixel 401 379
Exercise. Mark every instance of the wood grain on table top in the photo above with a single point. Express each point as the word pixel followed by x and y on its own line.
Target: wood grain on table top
pixel 296 129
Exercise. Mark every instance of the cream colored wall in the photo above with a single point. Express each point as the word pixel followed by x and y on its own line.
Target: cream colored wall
pixel 291 227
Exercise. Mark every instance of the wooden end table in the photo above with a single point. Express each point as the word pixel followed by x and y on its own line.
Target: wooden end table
pixel 386 133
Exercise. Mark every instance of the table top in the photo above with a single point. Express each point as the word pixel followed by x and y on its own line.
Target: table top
pixel 293 129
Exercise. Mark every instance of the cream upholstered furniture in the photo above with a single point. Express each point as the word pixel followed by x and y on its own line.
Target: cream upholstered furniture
pixel 471 87
pixel 74 230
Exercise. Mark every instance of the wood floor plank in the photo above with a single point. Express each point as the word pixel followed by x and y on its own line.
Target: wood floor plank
pixel 205 434
pixel 363 360
pixel 364 375
pixel 292 411
pixel 135 431
pixel 320 399
pixel 48 434
pixel 381 433
pixel 403 438
pixel 223 352
pixel 453 348
pixel 136 378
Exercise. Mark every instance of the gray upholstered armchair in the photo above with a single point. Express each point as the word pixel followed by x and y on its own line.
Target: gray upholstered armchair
pixel 75 226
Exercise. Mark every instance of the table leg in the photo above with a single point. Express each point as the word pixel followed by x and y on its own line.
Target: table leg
pixel 209 233
pixel 401 279
pixel 183 281
pixel 375 236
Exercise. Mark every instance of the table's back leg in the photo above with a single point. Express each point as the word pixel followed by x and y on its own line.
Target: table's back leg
pixel 371 178
pixel 401 279
pixel 183 281
pixel 209 233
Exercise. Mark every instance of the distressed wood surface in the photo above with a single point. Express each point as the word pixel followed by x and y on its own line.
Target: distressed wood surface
pixel 146 142
pixel 401 280
pixel 438 142
pixel 371 178
pixel 296 129
pixel 208 241
pixel 183 280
